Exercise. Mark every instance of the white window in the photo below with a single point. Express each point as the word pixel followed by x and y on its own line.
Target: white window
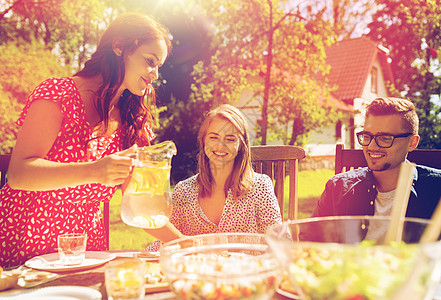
pixel 338 130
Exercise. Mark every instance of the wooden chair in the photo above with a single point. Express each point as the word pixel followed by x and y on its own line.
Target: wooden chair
pixel 274 161
pixel 347 159
pixel 4 164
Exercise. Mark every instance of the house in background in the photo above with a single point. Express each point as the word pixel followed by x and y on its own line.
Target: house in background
pixel 360 70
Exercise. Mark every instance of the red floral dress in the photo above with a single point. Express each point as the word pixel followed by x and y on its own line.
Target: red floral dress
pixel 30 221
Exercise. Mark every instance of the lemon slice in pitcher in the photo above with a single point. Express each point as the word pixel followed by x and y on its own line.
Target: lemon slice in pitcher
pixel 135 182
pixel 150 222
pixel 144 221
pixel 143 180
pixel 160 221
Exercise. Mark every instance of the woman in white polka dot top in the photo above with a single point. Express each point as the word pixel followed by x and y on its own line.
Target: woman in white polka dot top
pixel 77 137
pixel 226 195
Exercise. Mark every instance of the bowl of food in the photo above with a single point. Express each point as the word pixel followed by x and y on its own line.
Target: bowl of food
pixel 220 266
pixel 349 258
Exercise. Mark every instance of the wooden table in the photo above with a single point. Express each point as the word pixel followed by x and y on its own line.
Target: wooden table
pixel 92 278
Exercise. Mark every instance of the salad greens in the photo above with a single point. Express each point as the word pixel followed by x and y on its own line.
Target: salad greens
pixel 363 271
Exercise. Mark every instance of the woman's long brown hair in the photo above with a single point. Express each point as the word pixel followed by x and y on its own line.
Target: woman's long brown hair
pixel 242 177
pixel 132 30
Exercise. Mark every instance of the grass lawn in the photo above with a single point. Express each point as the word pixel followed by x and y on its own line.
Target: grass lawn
pixel 311 185
pixel 122 236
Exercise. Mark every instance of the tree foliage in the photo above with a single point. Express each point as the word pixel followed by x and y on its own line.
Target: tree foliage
pixel 182 125
pixel 69 28
pixel 9 110
pixel 41 39
pixel 18 77
pixel 276 52
pixel 409 28
pixel 348 17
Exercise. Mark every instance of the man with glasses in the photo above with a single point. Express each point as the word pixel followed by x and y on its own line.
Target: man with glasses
pixel 390 132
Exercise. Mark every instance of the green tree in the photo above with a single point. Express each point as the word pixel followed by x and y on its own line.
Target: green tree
pixel 41 39
pixel 8 130
pixel 349 17
pixel 409 29
pixel 18 77
pixel 180 123
pixel 275 51
pixel 69 28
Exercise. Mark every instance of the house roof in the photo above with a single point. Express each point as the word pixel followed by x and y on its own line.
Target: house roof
pixel 351 61
pixel 338 104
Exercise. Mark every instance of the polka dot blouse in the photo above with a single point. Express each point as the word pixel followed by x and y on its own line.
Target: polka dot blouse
pixel 252 214
pixel 30 221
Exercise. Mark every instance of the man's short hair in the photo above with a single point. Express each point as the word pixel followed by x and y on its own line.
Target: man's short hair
pixel 395 106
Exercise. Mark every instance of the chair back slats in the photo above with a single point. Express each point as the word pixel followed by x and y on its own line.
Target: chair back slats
pixel 4 164
pixel 348 159
pixel 258 166
pixel 276 162
pixel 293 208
pixel 426 157
pixel 279 176
pixel 265 167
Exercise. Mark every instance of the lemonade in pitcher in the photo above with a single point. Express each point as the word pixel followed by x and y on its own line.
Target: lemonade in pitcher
pixel 146 202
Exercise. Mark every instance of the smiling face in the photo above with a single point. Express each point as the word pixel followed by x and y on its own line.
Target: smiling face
pixel 383 159
pixel 221 143
pixel 141 67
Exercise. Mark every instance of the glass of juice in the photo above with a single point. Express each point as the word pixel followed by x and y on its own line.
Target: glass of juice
pixel 125 279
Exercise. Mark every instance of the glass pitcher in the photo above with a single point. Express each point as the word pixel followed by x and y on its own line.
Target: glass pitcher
pixel 146 202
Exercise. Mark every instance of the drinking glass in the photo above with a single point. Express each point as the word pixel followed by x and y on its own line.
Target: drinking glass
pixel 72 248
pixel 125 279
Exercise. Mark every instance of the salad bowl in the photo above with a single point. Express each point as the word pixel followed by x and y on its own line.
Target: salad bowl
pixel 347 258
pixel 220 266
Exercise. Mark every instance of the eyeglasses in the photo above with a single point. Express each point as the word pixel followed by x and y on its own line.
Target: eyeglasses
pixel 382 140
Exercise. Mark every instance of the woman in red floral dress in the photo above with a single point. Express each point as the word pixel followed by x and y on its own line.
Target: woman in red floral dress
pixel 76 140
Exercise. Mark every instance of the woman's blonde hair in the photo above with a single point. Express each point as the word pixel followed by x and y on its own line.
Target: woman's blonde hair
pixel 241 178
